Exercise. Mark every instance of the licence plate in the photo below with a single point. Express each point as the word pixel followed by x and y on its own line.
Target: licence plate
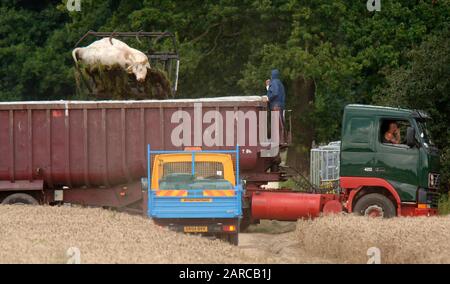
pixel 196 229
pixel 196 200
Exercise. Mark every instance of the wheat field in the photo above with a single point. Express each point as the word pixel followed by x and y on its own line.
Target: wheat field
pixel 43 234
pixel 347 238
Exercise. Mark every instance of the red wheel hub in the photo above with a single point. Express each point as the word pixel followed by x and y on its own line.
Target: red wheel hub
pixel 374 211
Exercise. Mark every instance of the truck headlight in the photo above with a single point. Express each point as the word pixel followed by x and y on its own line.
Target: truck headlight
pixel 433 180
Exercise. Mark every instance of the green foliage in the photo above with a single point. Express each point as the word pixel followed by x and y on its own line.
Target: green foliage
pixel 444 204
pixel 421 84
pixel 344 49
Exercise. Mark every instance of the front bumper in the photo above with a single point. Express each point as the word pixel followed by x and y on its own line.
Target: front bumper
pixel 200 226
pixel 200 229
pixel 413 211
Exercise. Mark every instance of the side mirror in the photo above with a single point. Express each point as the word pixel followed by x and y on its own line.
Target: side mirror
pixel 411 137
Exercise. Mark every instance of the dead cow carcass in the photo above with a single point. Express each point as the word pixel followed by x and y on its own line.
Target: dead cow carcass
pixel 111 52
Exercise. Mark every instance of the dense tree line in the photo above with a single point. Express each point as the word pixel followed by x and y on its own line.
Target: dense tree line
pixel 330 53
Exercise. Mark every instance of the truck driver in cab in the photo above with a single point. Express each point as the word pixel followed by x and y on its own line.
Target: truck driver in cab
pixel 392 135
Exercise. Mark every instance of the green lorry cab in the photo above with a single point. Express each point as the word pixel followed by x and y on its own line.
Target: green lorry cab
pixel 379 177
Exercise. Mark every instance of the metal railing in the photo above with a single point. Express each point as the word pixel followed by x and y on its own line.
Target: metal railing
pixel 324 167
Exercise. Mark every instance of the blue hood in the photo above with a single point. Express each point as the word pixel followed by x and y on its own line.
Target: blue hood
pixel 276 92
pixel 275 74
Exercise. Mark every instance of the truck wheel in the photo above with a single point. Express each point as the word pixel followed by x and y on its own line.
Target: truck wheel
pixel 375 205
pixel 246 220
pixel 20 199
pixel 233 239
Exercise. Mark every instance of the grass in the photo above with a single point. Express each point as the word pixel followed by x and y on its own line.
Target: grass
pixel 444 204
pixel 290 183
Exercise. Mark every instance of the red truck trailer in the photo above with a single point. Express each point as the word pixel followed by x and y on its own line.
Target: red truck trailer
pixel 94 152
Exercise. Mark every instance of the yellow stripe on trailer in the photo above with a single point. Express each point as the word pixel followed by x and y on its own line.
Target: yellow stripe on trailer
pixel 171 193
pixel 218 193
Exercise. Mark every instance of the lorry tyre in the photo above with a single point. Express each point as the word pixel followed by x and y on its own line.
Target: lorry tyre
pixel 20 199
pixel 375 205
pixel 233 239
pixel 246 220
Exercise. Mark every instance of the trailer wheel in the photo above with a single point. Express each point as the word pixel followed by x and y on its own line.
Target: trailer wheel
pixel 375 205
pixel 20 199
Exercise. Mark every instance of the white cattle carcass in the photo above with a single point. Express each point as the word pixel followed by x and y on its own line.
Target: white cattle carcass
pixel 109 52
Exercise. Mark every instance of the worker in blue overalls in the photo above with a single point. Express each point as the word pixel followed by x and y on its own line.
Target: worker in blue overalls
pixel 276 92
pixel 277 97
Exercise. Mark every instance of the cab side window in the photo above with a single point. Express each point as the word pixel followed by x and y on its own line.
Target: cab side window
pixel 393 131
